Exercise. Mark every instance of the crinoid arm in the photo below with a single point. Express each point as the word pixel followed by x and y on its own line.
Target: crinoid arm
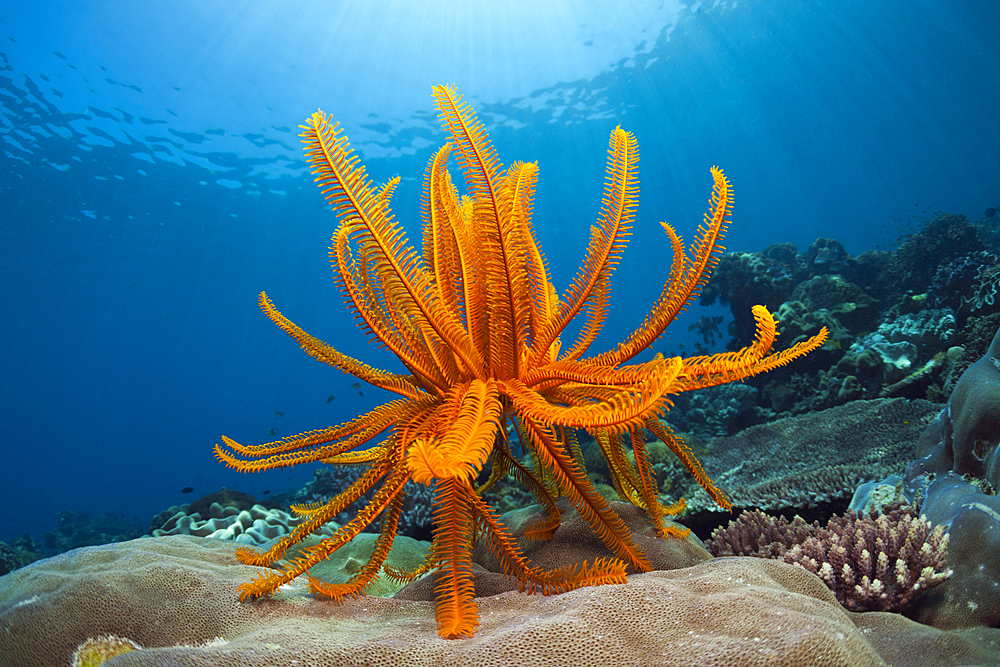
pixel 532 578
pixel 356 585
pixel 710 371
pixel 455 591
pixel 592 506
pixel 688 276
pixel 391 488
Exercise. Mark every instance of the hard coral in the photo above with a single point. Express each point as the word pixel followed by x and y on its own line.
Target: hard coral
pixel 876 564
pixel 871 563
pixel 176 597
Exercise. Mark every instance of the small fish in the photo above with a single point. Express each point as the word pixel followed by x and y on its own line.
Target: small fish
pixel 266 491
pixel 271 431
pixel 187 489
pixel 278 413
pixel 361 393
pixel 355 385
pixel 990 212
pixel 328 400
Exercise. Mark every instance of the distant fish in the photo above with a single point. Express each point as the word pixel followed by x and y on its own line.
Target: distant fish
pixel 279 413
pixel 328 400
pixel 187 489
pixel 355 385
pixel 361 393
pixel 266 491
pixel 271 431
pixel 990 212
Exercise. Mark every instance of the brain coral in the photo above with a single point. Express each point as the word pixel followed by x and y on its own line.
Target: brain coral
pixel 176 597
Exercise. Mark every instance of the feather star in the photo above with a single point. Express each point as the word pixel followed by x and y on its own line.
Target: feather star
pixel 477 324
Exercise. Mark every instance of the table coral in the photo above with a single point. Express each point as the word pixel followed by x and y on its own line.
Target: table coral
pixel 800 462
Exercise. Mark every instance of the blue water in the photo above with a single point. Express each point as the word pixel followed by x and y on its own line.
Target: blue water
pixel 152 184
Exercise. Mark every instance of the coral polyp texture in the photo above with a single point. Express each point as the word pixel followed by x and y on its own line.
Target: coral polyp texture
pixel 475 321
pixel 175 597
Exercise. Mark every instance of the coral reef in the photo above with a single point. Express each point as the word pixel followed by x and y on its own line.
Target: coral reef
pixel 743 279
pixel 176 597
pixel 873 562
pixel 406 555
pixel 97 651
pixel 910 307
pixel 908 341
pixel 842 299
pixel 79 529
pixel 9 560
pixel 712 411
pixel 941 241
pixel 972 277
pixel 964 437
pixel 574 542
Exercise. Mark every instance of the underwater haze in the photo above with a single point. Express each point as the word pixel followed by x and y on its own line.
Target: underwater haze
pixel 153 183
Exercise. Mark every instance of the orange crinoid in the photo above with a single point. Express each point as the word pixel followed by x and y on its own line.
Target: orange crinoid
pixel 476 322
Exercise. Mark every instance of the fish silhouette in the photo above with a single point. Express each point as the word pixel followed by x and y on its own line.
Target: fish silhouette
pixel 990 212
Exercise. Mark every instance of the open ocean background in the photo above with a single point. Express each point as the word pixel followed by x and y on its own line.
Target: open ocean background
pixel 152 184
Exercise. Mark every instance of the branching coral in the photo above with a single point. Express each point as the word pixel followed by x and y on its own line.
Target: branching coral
pixel 871 563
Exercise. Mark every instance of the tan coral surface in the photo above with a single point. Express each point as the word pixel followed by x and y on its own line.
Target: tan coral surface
pixel 179 594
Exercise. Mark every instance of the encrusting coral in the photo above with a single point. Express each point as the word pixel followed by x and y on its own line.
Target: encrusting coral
pixel 476 322
pixel 870 562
